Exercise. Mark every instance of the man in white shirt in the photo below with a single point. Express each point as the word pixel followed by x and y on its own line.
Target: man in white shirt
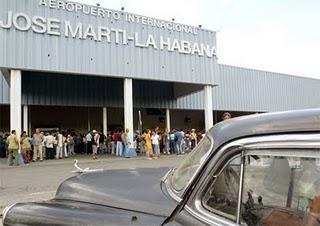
pixel 155 143
pixel 59 150
pixel 49 140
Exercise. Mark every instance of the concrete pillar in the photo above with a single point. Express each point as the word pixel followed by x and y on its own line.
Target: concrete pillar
pixel 15 101
pixel 168 125
pixel 105 121
pixel 208 109
pixel 128 106
pixel 25 119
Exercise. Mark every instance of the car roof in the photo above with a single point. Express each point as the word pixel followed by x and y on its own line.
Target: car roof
pixel 307 120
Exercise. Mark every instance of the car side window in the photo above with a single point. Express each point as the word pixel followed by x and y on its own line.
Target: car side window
pixel 280 190
pixel 222 195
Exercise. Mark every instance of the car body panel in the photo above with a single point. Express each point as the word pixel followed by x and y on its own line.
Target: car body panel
pixel 115 195
pixel 136 189
pixel 263 124
pixel 62 213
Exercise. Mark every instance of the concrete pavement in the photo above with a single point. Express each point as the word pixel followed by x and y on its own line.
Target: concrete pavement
pixel 40 180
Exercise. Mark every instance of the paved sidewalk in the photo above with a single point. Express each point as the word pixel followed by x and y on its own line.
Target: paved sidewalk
pixel 40 180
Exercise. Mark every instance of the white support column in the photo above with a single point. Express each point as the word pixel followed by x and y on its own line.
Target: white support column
pixel 128 106
pixel 25 119
pixel 208 109
pixel 168 125
pixel 105 121
pixel 15 101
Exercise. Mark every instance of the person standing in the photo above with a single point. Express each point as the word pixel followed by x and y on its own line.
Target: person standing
pixel 155 144
pixel 13 149
pixel 37 145
pixel 147 138
pixel 65 144
pixel 89 143
pixel 126 142
pixel 25 147
pixel 49 141
pixel 108 142
pixel 193 139
pixel 166 142
pixel 102 144
pixel 113 143
pixel 70 143
pixel 95 144
pixel 59 151
pixel 142 145
pixel 119 145
pixel 84 141
pixel 172 137
pixel 179 135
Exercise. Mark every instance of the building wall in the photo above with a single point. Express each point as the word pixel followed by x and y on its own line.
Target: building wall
pixel 4 90
pixel 240 89
pixel 60 90
pixel 43 52
pixel 243 89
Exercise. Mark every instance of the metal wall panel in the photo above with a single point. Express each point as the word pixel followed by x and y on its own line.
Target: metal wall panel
pixel 248 90
pixel 149 94
pixel 43 52
pixel 243 89
pixel 60 90
pixel 240 89
pixel 4 90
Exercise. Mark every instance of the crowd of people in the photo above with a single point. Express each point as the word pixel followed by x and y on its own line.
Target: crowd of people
pixel 150 143
pixel 59 144
pixel 153 142
pixel 40 146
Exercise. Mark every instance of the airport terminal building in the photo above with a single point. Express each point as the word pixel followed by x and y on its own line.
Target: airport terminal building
pixel 73 66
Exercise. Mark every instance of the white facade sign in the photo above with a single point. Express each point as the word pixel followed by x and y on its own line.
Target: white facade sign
pixel 110 14
pixel 65 37
pixel 54 26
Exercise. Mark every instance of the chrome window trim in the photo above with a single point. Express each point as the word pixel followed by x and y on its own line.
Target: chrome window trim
pixel 309 141
pixel 240 187
pixel 164 182
pixel 170 190
pixel 177 195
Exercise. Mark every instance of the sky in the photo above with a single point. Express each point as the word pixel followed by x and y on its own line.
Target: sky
pixel 272 35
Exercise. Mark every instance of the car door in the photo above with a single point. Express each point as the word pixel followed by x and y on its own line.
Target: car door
pixel 265 180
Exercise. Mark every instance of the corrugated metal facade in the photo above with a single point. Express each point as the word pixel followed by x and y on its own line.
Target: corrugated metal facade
pixel 240 89
pixel 4 90
pixel 248 90
pixel 71 59
pixel 42 52
pixel 60 90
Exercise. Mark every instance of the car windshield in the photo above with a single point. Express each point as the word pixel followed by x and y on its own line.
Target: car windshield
pixel 184 173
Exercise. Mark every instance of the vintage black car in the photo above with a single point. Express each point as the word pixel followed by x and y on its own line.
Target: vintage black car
pixel 262 169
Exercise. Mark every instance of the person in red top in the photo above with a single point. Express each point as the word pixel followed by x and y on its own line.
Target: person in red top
pixel 115 138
